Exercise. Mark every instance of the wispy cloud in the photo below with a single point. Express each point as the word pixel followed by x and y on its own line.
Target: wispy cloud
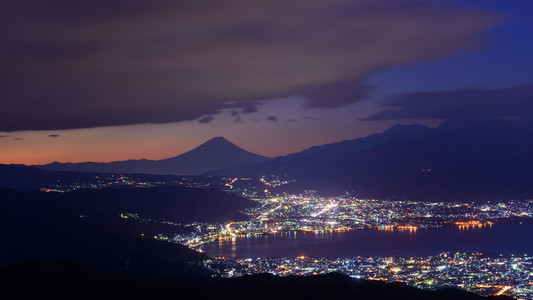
pixel 206 119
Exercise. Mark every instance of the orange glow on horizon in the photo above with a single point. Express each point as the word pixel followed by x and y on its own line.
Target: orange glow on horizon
pixel 161 141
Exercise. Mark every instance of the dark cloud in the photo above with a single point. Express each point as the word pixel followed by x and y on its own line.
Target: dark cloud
pixel 80 64
pixel 249 109
pixel 53 135
pixel 468 103
pixel 10 136
pixel 336 94
pixel 206 119
pixel 272 118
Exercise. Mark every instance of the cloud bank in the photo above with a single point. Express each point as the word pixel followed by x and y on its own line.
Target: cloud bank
pixel 82 64
pixel 460 104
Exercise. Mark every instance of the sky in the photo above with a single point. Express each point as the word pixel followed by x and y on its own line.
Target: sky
pixel 115 80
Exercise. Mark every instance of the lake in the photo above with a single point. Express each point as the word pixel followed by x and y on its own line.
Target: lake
pixel 500 238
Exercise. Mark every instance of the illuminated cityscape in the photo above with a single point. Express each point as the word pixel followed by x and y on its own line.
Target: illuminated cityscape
pixel 347 149
pixel 311 213
pixel 485 274
pixel 482 273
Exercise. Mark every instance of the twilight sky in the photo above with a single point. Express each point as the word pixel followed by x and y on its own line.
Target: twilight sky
pixel 113 80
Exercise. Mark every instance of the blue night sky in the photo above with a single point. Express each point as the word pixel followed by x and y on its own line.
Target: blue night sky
pixel 504 61
pixel 131 79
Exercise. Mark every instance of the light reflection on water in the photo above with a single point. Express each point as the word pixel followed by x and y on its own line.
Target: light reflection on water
pixel 501 238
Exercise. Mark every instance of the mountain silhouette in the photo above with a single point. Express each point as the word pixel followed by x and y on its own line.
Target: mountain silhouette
pixel 459 160
pixel 217 153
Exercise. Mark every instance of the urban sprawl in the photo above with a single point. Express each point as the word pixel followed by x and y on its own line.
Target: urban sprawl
pixel 482 273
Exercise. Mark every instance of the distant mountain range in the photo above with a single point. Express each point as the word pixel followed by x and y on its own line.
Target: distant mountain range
pixel 215 154
pixel 22 177
pixel 170 203
pixel 459 160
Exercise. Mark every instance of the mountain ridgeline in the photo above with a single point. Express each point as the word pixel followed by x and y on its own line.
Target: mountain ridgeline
pixel 169 203
pixel 459 160
pixel 215 154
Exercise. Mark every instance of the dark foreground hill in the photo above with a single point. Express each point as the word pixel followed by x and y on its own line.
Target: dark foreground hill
pixel 104 243
pixel 86 226
pixel 460 160
pixel 217 153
